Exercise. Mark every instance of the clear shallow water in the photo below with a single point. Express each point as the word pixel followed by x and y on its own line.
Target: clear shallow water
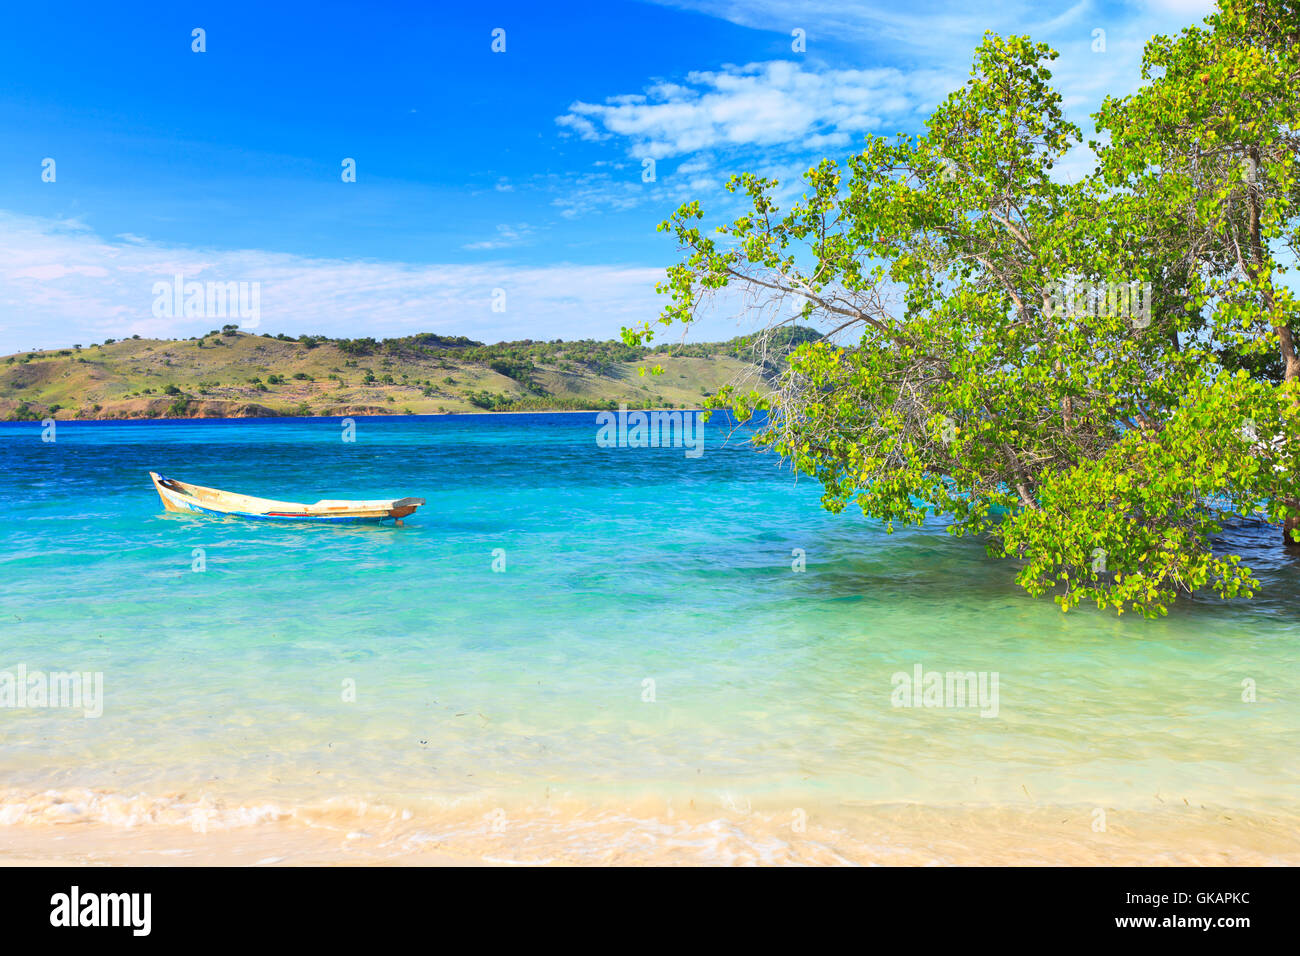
pixel 772 688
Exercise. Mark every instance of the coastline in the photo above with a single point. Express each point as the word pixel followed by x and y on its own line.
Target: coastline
pixel 457 414
pixel 576 832
pixel 240 375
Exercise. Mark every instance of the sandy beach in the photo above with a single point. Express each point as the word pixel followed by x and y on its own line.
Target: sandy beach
pixel 574 833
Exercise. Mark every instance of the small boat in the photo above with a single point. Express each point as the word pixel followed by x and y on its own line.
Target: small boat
pixel 180 496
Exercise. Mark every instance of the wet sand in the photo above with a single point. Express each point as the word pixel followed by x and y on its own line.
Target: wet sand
pixel 569 834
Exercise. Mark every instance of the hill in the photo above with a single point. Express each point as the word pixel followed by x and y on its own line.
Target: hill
pixel 233 374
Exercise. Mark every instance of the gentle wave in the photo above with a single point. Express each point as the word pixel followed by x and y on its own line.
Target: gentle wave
pixel 95 825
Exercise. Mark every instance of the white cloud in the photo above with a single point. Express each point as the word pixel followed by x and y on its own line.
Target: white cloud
pixel 582 126
pixel 506 236
pixel 786 114
pixel 1184 8
pixel 937 30
pixel 580 196
pixel 777 103
pixel 919 51
pixel 61 284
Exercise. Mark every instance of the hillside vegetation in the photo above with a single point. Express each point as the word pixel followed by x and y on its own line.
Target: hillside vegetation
pixel 233 374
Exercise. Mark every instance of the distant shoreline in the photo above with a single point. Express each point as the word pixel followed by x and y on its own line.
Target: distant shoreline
pixel 232 374
pixel 282 418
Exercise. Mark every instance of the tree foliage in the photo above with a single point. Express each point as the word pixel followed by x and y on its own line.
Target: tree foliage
pixel 1090 375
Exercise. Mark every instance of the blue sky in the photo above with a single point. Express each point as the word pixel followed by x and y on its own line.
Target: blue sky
pixel 476 170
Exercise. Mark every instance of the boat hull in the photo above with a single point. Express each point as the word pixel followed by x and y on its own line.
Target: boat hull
pixel 180 497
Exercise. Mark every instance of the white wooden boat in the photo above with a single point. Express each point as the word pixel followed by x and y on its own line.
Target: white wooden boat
pixel 181 496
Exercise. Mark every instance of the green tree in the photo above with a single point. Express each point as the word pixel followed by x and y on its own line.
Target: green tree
pixel 1040 362
pixel 1202 168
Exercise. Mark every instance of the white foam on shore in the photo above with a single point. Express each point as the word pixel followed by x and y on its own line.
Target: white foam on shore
pixel 98 825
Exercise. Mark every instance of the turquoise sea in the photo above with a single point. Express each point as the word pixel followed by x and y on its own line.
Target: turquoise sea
pixel 610 627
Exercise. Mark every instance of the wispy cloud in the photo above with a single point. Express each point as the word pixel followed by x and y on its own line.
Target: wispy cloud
pixel 777 103
pixel 506 236
pixel 61 284
pixel 919 51
pixel 578 196
pixel 931 31
pixel 781 116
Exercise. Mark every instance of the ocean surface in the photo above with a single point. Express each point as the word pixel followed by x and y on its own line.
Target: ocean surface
pixel 609 641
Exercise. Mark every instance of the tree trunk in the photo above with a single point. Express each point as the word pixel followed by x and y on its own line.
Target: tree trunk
pixel 1290 359
pixel 1292 523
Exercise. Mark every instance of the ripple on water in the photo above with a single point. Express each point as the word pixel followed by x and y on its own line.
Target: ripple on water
pixel 649 634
